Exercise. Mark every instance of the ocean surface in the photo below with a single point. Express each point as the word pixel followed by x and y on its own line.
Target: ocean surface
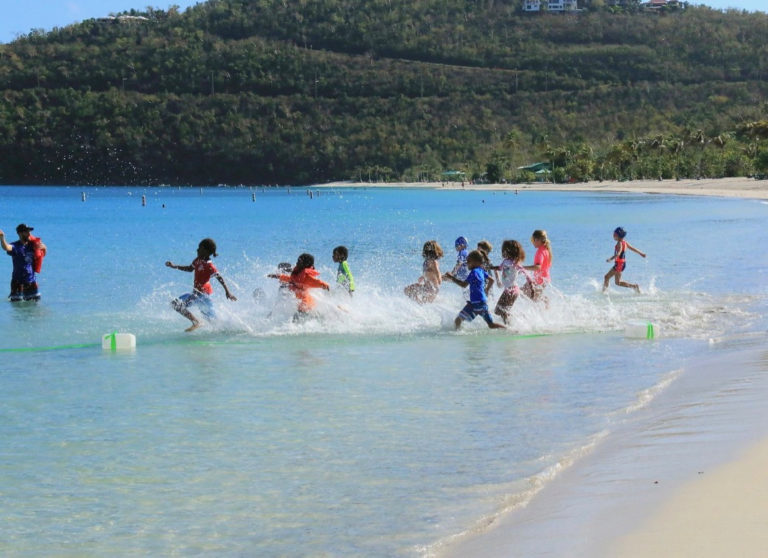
pixel 370 429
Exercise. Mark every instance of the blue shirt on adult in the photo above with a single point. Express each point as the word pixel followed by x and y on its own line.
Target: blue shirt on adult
pixel 23 262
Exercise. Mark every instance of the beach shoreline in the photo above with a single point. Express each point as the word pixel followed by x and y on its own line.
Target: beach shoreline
pixel 683 477
pixel 739 187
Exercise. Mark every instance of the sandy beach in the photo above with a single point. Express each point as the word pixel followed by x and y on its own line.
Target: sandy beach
pixel 685 477
pixel 720 187
pixel 722 513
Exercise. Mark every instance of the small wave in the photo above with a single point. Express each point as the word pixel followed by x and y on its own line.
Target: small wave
pixel 518 496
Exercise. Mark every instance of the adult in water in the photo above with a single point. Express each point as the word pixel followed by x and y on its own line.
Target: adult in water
pixel 27 254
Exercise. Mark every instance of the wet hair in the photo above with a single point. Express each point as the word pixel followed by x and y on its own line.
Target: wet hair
pixel 476 256
pixel 342 252
pixel 541 236
pixel 620 232
pixel 284 266
pixel 209 245
pixel 513 250
pixel 432 250
pixel 304 261
pixel 484 247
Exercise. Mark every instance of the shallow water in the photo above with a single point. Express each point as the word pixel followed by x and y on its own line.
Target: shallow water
pixel 372 429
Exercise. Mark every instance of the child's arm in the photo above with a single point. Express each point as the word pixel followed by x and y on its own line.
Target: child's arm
pixel 616 252
pixel 459 282
pixel 179 267
pixel 488 285
pixel 7 247
pixel 635 249
pixel 315 283
pixel 230 296
pixel 281 278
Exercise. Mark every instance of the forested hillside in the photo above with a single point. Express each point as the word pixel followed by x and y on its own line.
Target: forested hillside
pixel 268 91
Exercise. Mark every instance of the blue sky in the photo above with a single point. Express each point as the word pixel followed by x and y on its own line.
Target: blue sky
pixel 20 16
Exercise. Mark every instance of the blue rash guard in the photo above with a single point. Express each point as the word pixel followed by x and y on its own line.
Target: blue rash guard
pixel 478 302
pixel 23 262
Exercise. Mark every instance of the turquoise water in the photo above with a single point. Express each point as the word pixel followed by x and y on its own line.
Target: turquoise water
pixel 373 429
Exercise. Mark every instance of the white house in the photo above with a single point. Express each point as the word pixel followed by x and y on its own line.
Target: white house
pixel 550 5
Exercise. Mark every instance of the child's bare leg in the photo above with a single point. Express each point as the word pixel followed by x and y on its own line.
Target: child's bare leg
pixel 501 312
pixel 634 286
pixel 607 278
pixel 504 305
pixel 457 322
pixel 494 325
pixel 181 309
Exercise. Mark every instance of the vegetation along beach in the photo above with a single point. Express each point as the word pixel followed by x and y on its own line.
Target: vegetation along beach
pixel 307 188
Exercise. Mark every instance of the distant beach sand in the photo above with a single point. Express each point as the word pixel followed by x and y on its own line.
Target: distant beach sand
pixel 721 187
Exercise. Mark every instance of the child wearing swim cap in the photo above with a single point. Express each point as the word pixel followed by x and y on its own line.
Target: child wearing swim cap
pixel 620 261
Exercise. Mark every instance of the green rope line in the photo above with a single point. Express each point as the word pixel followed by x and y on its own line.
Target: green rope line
pixel 199 342
pixel 51 348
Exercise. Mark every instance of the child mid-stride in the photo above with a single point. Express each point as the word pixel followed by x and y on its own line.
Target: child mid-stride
pixel 201 293
pixel 478 301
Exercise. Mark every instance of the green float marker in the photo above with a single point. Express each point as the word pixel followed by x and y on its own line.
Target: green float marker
pixel 641 330
pixel 114 342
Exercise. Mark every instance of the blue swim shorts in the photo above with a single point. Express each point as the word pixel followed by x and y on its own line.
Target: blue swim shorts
pixel 473 309
pixel 202 301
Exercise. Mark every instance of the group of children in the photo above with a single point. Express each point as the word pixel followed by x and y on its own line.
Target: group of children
pixel 298 279
pixel 473 271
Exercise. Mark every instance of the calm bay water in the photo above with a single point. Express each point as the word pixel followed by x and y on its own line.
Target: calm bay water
pixel 372 430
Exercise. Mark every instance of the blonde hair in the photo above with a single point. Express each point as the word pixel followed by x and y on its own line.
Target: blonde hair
pixel 541 236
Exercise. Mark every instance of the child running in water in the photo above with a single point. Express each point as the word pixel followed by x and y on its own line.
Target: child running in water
pixel 485 248
pixel 478 301
pixel 428 285
pixel 542 261
pixel 302 278
pixel 343 274
pixel 461 270
pixel 510 269
pixel 619 255
pixel 201 293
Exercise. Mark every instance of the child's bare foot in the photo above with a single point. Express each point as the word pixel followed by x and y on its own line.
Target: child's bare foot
pixel 637 288
pixel 193 327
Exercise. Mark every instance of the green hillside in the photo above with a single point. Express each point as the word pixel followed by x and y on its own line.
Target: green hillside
pixel 266 91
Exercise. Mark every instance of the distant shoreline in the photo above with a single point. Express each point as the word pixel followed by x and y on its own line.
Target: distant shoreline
pixel 740 187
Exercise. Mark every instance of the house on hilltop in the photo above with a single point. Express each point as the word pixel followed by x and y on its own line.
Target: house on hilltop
pixel 550 5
